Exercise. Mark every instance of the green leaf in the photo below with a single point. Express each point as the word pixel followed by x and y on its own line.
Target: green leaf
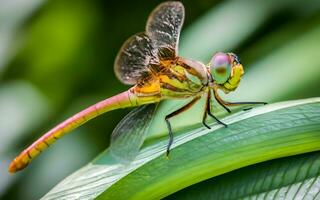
pixel 260 134
pixel 295 177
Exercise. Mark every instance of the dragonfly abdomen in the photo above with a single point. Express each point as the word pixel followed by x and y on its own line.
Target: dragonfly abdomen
pixel 122 100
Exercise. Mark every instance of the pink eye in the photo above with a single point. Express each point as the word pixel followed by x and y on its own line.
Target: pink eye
pixel 220 59
pixel 220 67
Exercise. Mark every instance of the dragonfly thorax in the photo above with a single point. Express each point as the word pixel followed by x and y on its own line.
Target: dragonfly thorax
pixel 179 78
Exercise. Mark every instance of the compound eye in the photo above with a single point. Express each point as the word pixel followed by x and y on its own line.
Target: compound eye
pixel 220 67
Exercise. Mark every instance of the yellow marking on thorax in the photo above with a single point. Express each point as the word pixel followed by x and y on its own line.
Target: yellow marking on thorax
pixel 174 82
pixel 149 88
pixel 179 69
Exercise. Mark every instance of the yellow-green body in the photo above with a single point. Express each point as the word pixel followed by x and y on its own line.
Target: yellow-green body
pixel 177 79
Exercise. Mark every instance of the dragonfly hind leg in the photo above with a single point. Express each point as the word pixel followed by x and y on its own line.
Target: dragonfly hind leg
pixel 175 113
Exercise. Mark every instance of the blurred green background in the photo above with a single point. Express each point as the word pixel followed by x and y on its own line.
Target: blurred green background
pixel 56 58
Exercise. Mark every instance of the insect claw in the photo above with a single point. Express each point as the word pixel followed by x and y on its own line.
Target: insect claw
pixel 167 153
pixel 227 109
pixel 206 125
pixel 264 103
pixel 219 122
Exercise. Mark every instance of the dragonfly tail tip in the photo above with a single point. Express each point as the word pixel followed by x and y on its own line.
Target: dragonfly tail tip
pixel 12 168
pixel 16 166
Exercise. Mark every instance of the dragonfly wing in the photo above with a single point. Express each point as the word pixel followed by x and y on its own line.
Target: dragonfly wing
pixel 130 133
pixel 160 41
pixel 133 59
pixel 163 27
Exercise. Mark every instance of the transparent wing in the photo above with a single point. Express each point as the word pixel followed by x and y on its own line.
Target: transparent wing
pixel 134 58
pixel 164 26
pixel 130 133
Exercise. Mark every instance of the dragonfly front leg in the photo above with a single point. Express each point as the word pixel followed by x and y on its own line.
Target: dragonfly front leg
pixel 205 114
pixel 177 112
pixel 208 111
pixel 224 104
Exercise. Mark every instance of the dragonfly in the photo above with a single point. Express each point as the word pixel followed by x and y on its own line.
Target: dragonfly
pixel 149 62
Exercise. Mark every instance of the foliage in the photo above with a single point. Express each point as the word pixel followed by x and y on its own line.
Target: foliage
pixel 273 131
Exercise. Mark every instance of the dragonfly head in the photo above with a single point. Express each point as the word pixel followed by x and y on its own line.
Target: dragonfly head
pixel 226 71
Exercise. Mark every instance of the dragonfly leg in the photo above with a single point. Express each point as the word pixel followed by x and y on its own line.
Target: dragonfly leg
pixel 205 114
pixel 220 101
pixel 208 110
pixel 224 104
pixel 177 112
